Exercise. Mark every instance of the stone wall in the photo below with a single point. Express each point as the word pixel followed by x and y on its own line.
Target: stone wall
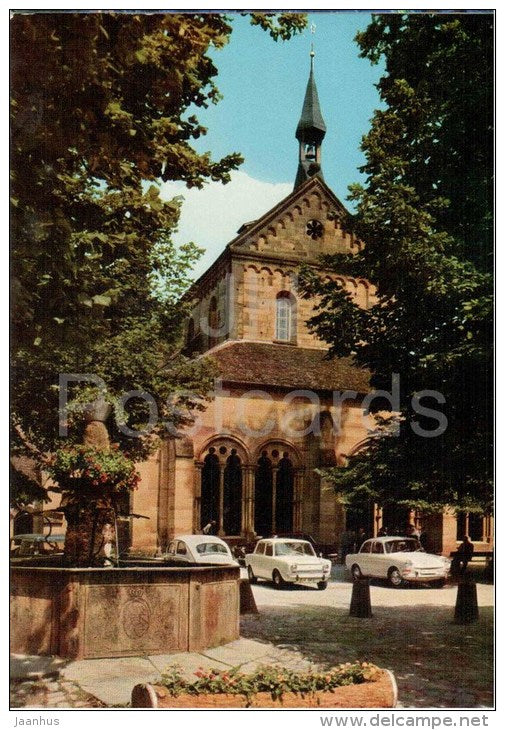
pixel 110 612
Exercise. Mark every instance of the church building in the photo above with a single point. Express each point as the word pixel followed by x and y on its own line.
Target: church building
pixel 250 462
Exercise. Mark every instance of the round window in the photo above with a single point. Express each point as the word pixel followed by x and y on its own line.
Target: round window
pixel 314 229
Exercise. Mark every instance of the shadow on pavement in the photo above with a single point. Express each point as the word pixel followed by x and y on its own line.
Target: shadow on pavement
pixel 436 662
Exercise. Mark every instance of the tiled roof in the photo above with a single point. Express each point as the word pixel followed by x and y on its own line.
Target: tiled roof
pixel 286 366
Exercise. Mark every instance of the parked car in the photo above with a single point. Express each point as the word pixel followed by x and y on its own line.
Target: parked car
pixel 284 560
pixel 208 549
pixel 318 548
pixel 400 560
pixel 29 544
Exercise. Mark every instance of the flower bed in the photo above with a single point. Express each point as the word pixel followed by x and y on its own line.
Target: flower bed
pixel 347 685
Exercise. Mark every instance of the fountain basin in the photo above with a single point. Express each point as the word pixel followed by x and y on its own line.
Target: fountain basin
pixel 90 613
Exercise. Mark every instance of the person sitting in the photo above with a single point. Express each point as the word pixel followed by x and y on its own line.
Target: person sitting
pixel 463 556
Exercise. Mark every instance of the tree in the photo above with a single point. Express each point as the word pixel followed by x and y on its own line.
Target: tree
pixel 425 215
pixel 103 106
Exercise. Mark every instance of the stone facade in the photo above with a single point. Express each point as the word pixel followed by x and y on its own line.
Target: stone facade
pixel 250 461
pixel 276 399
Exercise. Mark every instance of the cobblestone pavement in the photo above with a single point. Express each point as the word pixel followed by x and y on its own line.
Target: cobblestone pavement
pixel 436 662
pixel 50 693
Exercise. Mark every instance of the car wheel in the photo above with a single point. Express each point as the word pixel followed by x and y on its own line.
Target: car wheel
pixel 395 577
pixel 322 585
pixel 439 583
pixel 252 577
pixel 277 579
pixel 356 572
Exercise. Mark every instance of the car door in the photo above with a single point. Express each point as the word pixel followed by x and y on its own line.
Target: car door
pixel 364 557
pixel 378 560
pixel 255 561
pixel 268 561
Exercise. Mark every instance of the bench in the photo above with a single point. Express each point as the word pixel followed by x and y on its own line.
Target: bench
pixel 486 554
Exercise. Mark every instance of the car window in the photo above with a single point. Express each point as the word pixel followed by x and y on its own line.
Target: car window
pixel 366 547
pixel 181 548
pixel 409 545
pixel 207 548
pixel 378 548
pixel 171 548
pixel 269 549
pixel 260 548
pixel 294 548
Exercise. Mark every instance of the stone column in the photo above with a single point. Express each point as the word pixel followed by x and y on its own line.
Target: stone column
pixel 221 500
pixel 297 500
pixel 248 501
pixel 197 496
pixel 275 471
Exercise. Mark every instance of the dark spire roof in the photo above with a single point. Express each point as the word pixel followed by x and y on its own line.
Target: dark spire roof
pixel 311 127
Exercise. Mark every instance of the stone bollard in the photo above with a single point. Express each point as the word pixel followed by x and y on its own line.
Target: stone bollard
pixel 360 600
pixel 247 602
pixel 467 608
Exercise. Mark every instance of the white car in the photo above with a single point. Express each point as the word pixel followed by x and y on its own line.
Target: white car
pixel 206 549
pixel 286 560
pixel 400 560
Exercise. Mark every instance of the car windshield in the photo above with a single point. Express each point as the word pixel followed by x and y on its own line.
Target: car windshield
pixel 294 548
pixel 402 546
pixel 208 548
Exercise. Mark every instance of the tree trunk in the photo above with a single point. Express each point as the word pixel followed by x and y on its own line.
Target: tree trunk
pixel 84 539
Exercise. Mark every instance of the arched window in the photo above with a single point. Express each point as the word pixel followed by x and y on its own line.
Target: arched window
pixel 263 496
pixel 232 494
pixel 285 329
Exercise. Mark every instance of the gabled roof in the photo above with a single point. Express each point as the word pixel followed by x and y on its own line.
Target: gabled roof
pixel 274 212
pixel 248 230
pixel 285 366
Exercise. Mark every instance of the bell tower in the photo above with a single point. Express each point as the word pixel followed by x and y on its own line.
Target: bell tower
pixel 310 131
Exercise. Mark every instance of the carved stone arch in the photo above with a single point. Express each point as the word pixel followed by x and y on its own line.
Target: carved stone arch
pixel 325 205
pixel 297 209
pixel 279 445
pixel 289 216
pixel 306 202
pixel 262 242
pixel 352 288
pixel 267 270
pixel 281 225
pixel 252 267
pixel 317 199
pixel 277 488
pixel 271 231
pixel 219 442
pixel 340 281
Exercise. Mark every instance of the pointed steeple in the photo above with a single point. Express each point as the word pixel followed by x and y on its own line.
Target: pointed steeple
pixel 310 132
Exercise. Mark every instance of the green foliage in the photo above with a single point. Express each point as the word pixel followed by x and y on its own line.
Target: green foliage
pixel 274 680
pixel 102 107
pixel 87 472
pixel 425 215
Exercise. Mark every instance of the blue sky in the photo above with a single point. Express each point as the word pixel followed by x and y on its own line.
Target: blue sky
pixel 263 85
